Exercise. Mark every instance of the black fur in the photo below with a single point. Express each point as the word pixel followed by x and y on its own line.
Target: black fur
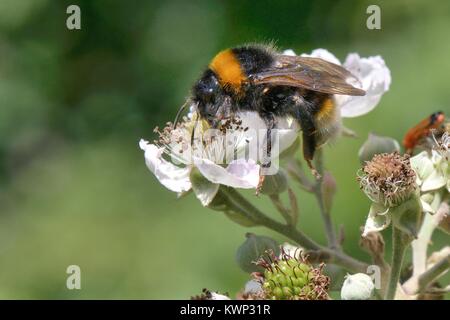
pixel 253 58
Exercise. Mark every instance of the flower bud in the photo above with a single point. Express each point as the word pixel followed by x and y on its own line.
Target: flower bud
pixel 388 179
pixel 289 278
pixel 328 190
pixel 358 286
pixel 222 202
pixel 251 251
pixel 275 184
pixel 377 145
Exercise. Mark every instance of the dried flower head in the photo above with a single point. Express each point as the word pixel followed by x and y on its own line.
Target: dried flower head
pixel 388 179
pixel 289 278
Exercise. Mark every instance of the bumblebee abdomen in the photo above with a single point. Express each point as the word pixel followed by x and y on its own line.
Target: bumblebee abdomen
pixel 327 120
pixel 325 110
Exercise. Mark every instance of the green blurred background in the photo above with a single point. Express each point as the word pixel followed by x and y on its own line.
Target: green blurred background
pixel 74 188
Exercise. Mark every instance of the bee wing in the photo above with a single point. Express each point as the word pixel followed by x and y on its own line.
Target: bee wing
pixel 310 73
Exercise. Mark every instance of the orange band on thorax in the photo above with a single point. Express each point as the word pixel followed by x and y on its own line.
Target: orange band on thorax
pixel 228 69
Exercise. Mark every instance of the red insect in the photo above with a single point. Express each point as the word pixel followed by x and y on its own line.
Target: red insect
pixel 414 135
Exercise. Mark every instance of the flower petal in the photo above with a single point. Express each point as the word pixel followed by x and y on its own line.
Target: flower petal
pixel 172 177
pixel 378 219
pixel 422 165
pixel 286 128
pixel 323 54
pixel 374 77
pixel 218 296
pixel 239 173
pixel 434 181
pixel 426 207
pixel 204 190
pixel 289 52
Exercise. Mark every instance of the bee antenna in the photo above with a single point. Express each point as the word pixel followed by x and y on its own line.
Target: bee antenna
pixel 193 131
pixel 177 117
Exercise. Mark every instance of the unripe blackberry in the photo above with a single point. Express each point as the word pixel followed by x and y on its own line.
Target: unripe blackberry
pixel 288 278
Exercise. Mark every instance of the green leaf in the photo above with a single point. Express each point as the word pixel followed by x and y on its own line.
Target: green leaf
pixel 252 249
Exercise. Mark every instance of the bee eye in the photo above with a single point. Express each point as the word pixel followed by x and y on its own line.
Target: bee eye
pixel 207 87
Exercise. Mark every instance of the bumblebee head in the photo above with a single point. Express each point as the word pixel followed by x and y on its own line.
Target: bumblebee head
pixel 205 94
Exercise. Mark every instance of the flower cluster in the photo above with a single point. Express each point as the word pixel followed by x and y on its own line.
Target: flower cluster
pixel 194 156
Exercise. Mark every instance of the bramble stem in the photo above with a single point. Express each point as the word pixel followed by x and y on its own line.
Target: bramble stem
pixel 420 246
pixel 326 217
pixel 289 231
pixel 440 268
pixel 400 242
pixel 285 212
pixel 295 170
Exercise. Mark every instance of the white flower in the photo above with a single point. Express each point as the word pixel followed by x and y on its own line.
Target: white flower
pixel 432 170
pixel 358 286
pixel 217 296
pixel 372 74
pixel 219 155
pixel 433 174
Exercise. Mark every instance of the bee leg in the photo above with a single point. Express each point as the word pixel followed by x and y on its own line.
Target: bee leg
pixel 309 148
pixel 270 122
pixel 309 142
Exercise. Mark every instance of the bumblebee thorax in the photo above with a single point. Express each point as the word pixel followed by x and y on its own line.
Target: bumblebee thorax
pixel 227 67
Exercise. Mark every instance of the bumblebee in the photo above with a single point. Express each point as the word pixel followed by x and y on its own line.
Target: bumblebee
pixel 260 79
